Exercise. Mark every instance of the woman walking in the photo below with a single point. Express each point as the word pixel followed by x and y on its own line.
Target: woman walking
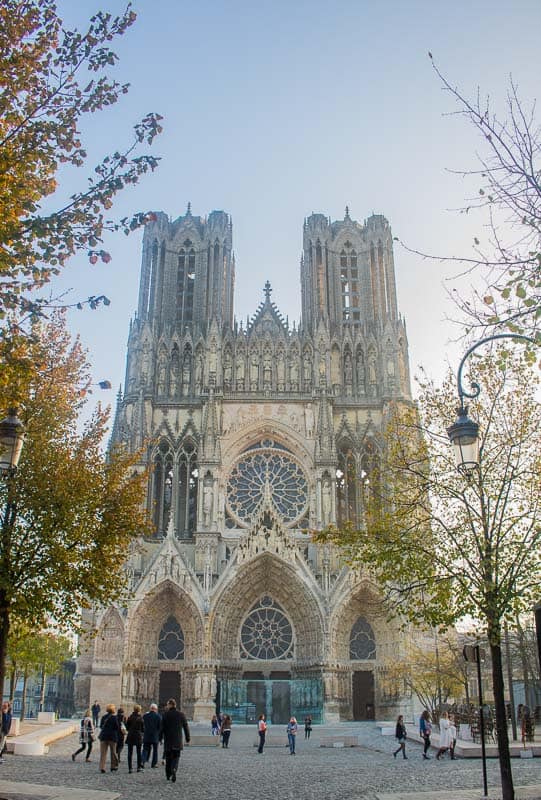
pixel 86 736
pixel 292 729
pixel 225 730
pixel 307 726
pixel 110 729
pixel 134 738
pixel 425 729
pixel 445 735
pixel 400 734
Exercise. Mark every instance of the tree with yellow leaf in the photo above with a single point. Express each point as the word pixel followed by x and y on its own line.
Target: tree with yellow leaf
pixel 69 513
pixel 443 547
pixel 50 77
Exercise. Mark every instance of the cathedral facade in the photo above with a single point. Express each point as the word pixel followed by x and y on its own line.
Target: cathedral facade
pixel 253 436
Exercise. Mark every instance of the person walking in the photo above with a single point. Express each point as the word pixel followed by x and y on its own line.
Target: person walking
pixel 400 735
pixel 122 733
pixel 307 726
pixel 109 731
pixel 96 708
pixel 452 735
pixel 5 726
pixel 86 736
pixel 152 723
pixel 134 737
pixel 292 729
pixel 445 735
pixel 225 730
pixel 262 731
pixel 425 730
pixel 174 722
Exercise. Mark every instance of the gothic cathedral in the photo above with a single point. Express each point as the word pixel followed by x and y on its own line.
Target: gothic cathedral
pixel 254 435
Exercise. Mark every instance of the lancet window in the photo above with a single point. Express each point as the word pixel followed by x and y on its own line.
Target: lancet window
pixel 162 487
pixel 185 283
pixel 346 485
pixel 362 642
pixel 187 489
pixel 349 282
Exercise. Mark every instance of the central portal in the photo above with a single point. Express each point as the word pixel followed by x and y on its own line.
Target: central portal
pixel 245 700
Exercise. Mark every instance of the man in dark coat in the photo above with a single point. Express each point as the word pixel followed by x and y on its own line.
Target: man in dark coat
pixel 173 723
pixel 152 724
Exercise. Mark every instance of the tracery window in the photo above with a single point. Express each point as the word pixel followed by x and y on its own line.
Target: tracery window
pixel 362 642
pixel 162 484
pixel 171 641
pixel 266 633
pixel 187 489
pixel 346 485
pixel 267 467
pixel 349 281
pixel 185 283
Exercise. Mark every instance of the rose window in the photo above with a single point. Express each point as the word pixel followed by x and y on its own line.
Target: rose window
pixel 171 641
pixel 266 633
pixel 267 470
pixel 362 642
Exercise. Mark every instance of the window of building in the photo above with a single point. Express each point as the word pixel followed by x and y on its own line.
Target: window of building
pixel 187 490
pixel 346 485
pixel 266 633
pixel 171 641
pixel 362 642
pixel 162 487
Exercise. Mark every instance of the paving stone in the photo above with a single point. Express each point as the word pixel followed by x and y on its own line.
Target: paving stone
pixel 367 771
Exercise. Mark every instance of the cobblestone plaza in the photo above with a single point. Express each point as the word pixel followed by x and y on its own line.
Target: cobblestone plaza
pixel 367 771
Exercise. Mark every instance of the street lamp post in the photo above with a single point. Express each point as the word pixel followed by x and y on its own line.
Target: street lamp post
pixel 464 436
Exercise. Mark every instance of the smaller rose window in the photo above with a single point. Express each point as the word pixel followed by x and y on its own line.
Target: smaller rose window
pixel 362 642
pixel 266 633
pixel 171 641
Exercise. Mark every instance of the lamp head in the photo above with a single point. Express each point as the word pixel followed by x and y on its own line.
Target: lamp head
pixel 464 436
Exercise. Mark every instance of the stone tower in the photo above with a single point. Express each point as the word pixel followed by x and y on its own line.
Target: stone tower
pixel 254 436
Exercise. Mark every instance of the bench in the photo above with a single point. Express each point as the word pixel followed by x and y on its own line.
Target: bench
pixel 351 740
pixel 200 740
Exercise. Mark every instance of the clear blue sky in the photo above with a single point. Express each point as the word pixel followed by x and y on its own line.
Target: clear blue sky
pixel 273 110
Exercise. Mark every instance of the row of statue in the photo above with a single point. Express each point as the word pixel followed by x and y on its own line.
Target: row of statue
pixel 259 371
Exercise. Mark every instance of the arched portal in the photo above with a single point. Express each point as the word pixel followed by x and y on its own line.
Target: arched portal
pixel 266 633
pixel 165 639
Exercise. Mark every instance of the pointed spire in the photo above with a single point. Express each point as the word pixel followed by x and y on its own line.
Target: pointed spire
pixel 347 218
pixel 267 290
pixel 189 209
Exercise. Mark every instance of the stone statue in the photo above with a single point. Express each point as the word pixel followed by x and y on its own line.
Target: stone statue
pixel 173 378
pixel 267 369
pixel 326 500
pixel 281 370
pixel 348 369
pixel 372 373
pixel 186 373
pixel 208 497
pixel 307 368
pixel 161 376
pixel 361 378
pixel 228 369
pixel 239 366
pixel 309 421
pixel 254 369
pixel 199 374
pixel 145 363
pixel 213 358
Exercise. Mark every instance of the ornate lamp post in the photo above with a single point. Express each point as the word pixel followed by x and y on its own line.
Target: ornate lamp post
pixel 464 433
pixel 464 436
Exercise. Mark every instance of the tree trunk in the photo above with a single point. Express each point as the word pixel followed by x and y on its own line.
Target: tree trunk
pixel 23 698
pixel 508 792
pixel 42 691
pixel 4 634
pixel 13 678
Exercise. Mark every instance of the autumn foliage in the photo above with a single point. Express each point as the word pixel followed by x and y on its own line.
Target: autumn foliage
pixel 50 78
